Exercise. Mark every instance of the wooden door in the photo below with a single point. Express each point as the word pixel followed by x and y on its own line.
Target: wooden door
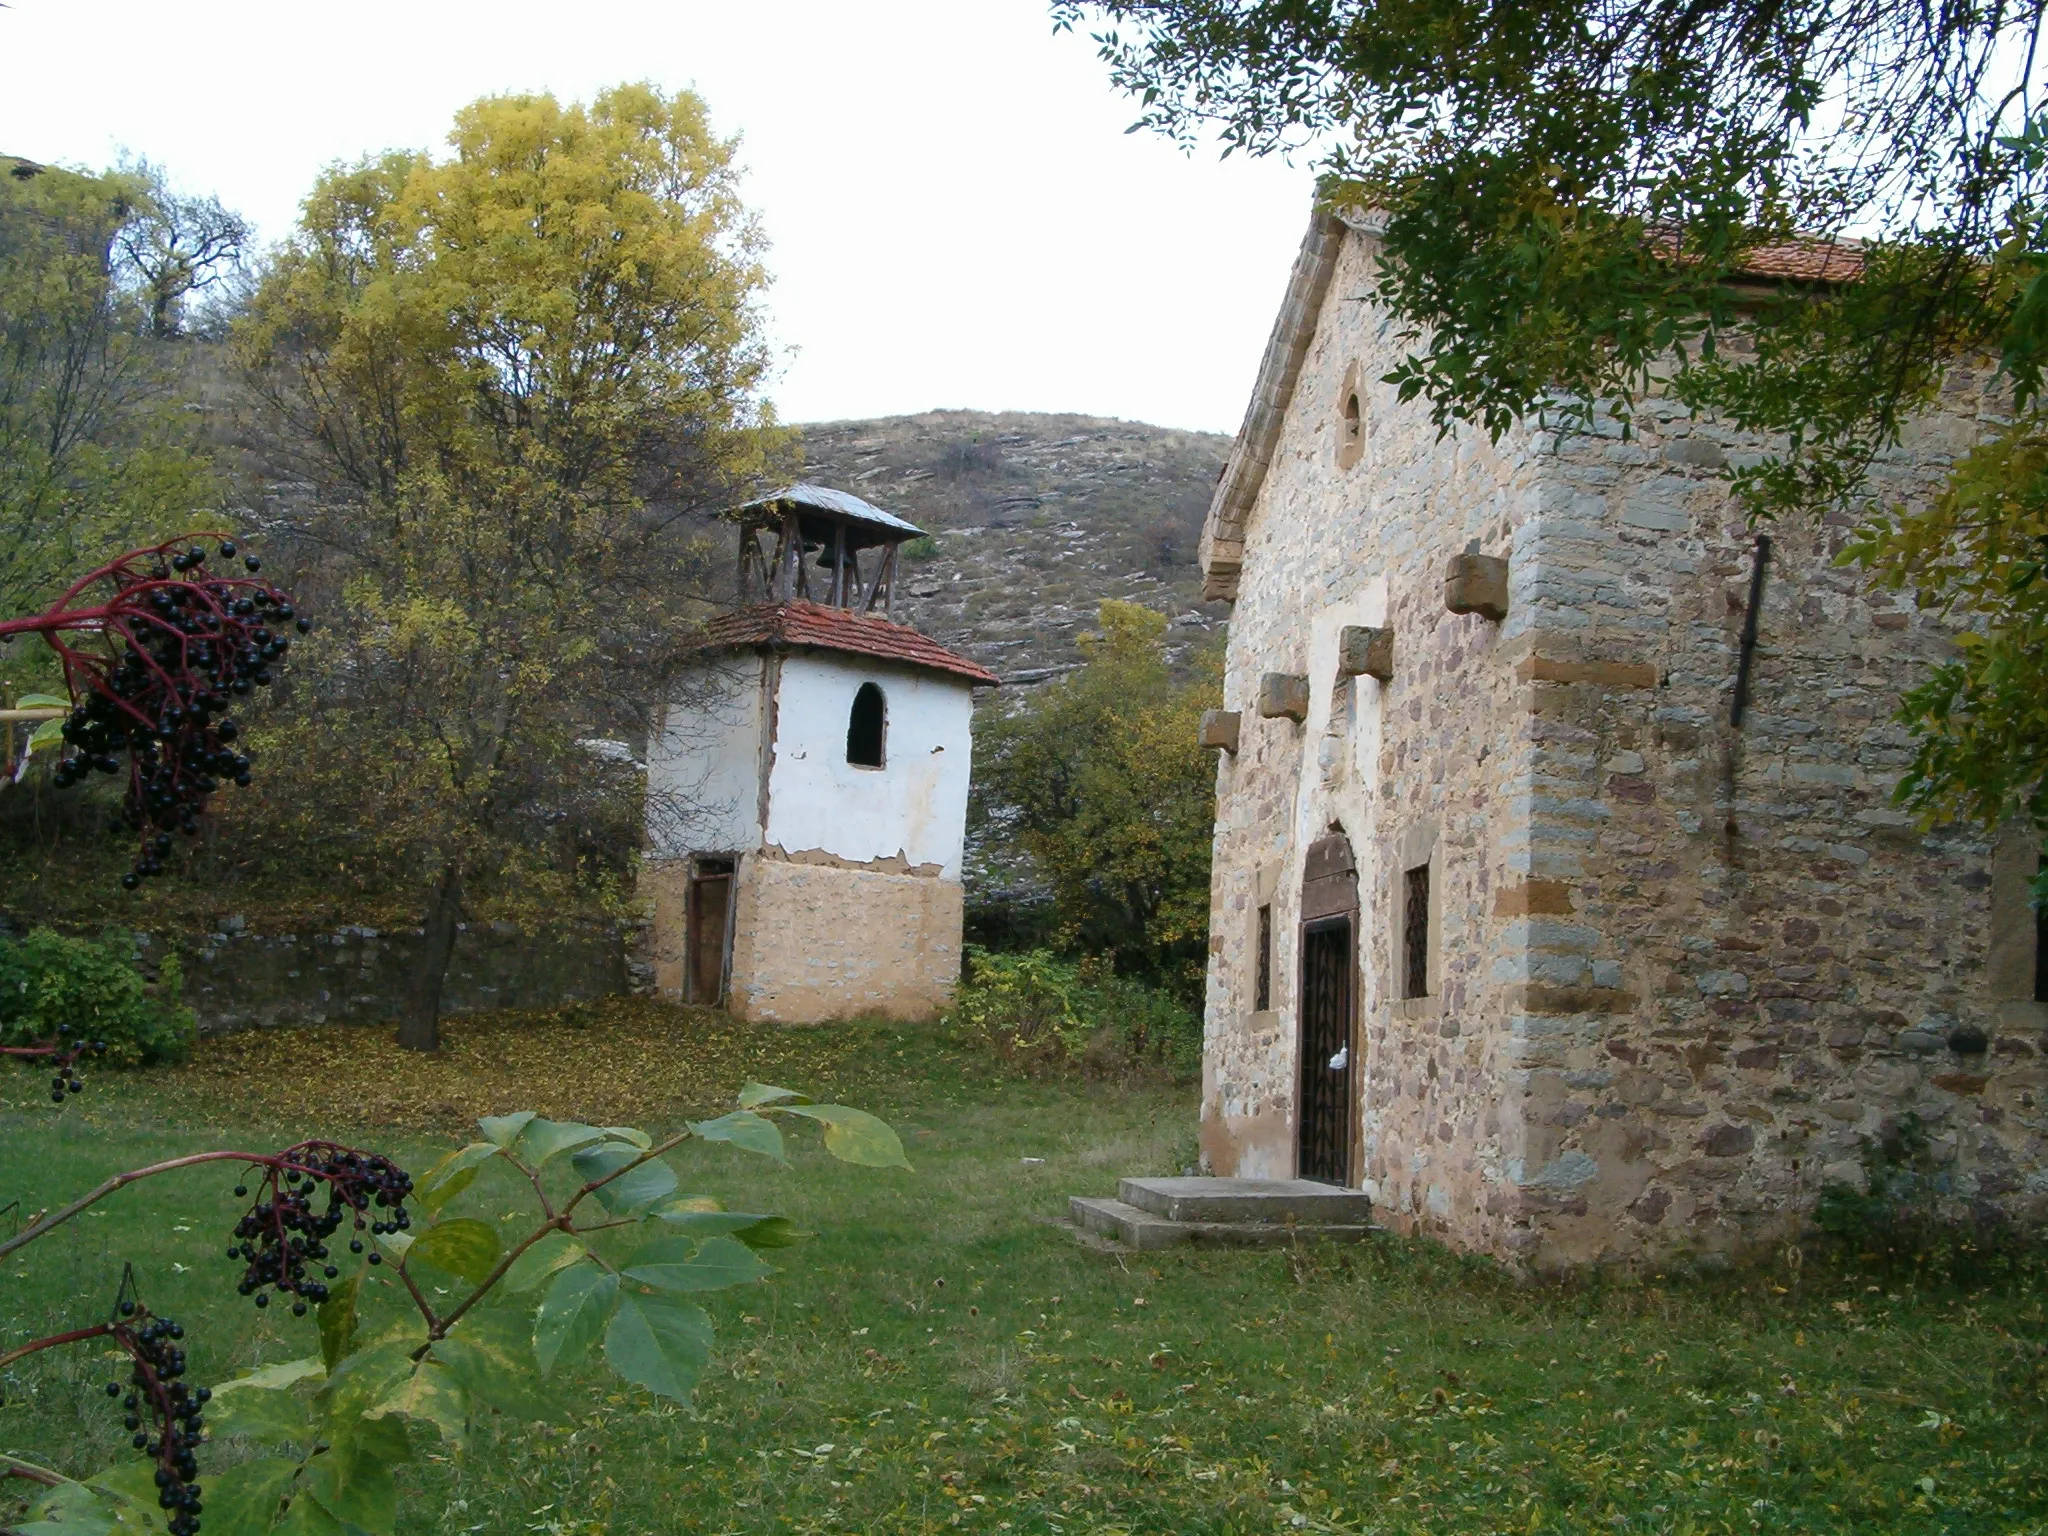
pixel 710 908
pixel 1324 1122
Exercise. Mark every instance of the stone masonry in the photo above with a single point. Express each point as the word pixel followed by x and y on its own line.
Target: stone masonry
pixel 1679 972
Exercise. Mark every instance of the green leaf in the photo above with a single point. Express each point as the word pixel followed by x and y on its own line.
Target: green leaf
pixel 744 1129
pixel 545 1139
pixel 131 1492
pixel 680 1264
pixel 367 1377
pixel 338 1319
pixel 352 1481
pixel 42 701
pixel 490 1355
pixel 47 735
pixel 854 1135
pixel 634 1134
pixel 272 1417
pixel 284 1374
pixel 754 1095
pixel 632 1191
pixel 465 1247
pixel 573 1314
pixel 430 1394
pixel 503 1130
pixel 305 1517
pixel 659 1345
pixel 558 1250
pixel 755 1231
pixel 773 1232
pixel 453 1174
pixel 246 1500
pixel 73 1509
pixel 397 1244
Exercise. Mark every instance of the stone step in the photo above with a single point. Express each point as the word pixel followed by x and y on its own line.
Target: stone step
pixel 1300 1202
pixel 1142 1230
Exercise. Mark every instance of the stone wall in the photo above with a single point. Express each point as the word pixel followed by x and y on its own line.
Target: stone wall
pixel 1758 963
pixel 240 980
pixel 1681 972
pixel 816 940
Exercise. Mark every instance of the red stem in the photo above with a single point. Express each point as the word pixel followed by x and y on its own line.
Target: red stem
pixel 121 1181
pixel 75 1336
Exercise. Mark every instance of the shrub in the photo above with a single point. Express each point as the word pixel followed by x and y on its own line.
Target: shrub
pixel 1045 1008
pixel 50 983
pixel 1907 1222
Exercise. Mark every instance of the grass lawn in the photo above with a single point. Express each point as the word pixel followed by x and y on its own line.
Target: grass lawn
pixel 939 1358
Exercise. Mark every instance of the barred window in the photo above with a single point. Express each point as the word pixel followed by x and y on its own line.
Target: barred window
pixel 1415 934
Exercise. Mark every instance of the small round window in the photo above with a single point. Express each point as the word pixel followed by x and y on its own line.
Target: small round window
pixel 865 727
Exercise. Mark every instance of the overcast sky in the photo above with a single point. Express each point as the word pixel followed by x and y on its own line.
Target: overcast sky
pixel 957 216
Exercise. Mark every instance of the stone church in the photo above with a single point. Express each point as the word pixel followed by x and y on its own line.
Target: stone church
pixel 1520 922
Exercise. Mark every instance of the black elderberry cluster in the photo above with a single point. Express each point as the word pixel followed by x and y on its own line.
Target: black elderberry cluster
pixel 284 1236
pixel 64 1056
pixel 189 642
pixel 163 1413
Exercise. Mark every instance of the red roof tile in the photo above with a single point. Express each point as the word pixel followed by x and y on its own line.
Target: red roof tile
pixel 836 629
pixel 1812 261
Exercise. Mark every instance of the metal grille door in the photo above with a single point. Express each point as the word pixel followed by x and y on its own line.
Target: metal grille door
pixel 1325 1120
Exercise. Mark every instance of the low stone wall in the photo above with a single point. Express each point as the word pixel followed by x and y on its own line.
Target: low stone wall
pixel 235 979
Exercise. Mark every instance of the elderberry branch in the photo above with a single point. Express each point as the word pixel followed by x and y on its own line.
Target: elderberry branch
pixel 594 1185
pixel 28 1471
pixel 55 1341
pixel 121 1181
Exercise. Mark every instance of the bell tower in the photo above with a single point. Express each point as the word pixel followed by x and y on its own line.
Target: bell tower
pixel 855 543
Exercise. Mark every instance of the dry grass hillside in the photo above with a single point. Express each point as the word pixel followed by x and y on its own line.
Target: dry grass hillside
pixel 1035 519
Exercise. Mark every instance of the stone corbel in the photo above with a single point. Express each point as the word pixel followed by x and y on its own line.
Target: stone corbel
pixel 1220 729
pixel 1283 695
pixel 1363 651
pixel 1220 572
pixel 1477 583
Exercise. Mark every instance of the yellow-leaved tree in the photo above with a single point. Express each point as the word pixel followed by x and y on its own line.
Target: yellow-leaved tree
pixel 510 376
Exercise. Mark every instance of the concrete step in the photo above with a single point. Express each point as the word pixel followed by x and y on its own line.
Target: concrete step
pixel 1301 1202
pixel 1142 1230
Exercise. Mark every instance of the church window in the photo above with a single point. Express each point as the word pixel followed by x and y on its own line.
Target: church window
pixel 866 727
pixel 1262 994
pixel 1350 419
pixel 1415 935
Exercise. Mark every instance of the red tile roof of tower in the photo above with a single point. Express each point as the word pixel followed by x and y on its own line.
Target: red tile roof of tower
pixel 836 629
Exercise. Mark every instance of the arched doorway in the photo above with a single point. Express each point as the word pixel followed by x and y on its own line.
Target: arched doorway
pixel 1327 1006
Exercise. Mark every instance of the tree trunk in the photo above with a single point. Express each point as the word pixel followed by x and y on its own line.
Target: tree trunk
pixel 420 1029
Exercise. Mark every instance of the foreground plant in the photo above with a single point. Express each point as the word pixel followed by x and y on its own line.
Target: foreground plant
pixel 614 1254
pixel 156 646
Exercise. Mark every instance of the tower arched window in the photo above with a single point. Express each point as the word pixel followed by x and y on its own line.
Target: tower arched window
pixel 866 726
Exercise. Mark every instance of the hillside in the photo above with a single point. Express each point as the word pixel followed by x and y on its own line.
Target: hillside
pixel 1034 520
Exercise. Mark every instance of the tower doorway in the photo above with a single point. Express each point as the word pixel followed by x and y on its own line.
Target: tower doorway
pixel 709 962
pixel 1327 1012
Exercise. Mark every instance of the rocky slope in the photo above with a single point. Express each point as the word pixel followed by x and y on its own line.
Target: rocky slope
pixel 1034 520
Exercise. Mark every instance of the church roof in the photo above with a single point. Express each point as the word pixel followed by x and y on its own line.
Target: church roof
pixel 1222 547
pixel 818 627
pixel 822 498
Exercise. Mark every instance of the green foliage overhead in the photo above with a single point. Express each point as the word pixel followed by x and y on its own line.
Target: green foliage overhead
pixel 52 986
pixel 1099 778
pixel 1573 194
